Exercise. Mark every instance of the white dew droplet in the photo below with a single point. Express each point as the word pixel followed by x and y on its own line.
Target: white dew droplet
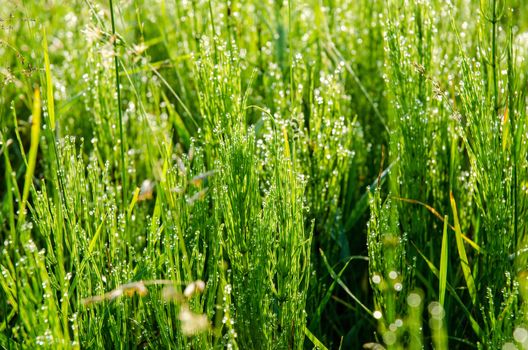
pixel 509 346
pixel 520 334
pixel 414 299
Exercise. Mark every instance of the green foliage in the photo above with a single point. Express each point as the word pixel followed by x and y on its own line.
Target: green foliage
pixel 207 174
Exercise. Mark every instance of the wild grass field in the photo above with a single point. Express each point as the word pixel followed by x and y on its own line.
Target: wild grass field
pixel 286 174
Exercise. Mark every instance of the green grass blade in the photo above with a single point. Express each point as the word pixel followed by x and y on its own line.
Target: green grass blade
pixel 49 84
pixel 466 269
pixel 474 324
pixel 328 293
pixel 32 158
pixel 362 205
pixel 314 340
pixel 444 258
pixel 119 109
pixel 133 202
pixel 179 124
pixel 340 282
pixel 96 236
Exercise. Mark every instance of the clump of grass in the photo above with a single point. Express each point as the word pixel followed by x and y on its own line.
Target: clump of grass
pixel 390 274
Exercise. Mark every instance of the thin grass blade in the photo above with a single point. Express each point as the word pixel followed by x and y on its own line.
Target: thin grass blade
pixel 314 340
pixel 49 82
pixel 32 158
pixel 466 269
pixel 340 282
pixel 444 258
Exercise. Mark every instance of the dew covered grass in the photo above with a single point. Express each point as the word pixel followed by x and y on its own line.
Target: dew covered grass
pixel 330 174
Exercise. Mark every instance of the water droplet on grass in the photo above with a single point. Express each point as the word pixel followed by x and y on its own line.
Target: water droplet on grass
pixel 520 334
pixel 414 299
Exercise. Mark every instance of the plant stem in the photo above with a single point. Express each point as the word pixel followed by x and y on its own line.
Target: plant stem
pixel 119 112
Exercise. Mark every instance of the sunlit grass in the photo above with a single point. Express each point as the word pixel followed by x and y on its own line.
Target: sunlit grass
pixel 263 175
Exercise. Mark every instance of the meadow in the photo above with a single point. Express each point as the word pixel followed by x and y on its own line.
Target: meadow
pixel 273 174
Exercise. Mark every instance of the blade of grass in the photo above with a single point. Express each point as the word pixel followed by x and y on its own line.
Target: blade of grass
pixel 444 258
pixel 119 112
pixel 96 236
pixel 466 269
pixel 88 256
pixel 133 202
pixel 49 84
pixel 340 282
pixel 437 214
pixel 474 324
pixel 328 293
pixel 179 124
pixel 32 158
pixel 361 206
pixel 314 339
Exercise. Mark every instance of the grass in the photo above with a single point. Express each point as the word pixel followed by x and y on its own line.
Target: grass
pixel 263 175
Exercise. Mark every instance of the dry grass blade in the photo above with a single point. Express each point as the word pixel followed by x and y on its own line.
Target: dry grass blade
pixel 129 289
pixel 438 215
